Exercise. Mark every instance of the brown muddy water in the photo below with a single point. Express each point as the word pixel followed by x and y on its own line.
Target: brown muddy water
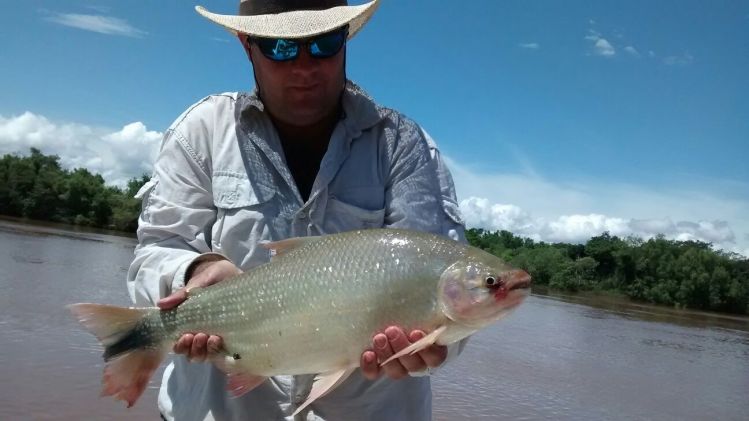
pixel 556 357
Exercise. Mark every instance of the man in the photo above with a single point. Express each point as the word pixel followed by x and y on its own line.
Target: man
pixel 307 153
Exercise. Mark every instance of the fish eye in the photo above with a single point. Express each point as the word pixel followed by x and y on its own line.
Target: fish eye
pixel 491 282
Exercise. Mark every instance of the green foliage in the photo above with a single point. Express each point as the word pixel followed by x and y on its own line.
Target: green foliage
pixel 688 274
pixel 38 187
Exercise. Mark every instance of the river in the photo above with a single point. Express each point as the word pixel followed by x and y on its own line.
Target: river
pixel 556 357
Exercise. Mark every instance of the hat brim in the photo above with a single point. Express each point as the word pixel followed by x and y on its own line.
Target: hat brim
pixel 296 24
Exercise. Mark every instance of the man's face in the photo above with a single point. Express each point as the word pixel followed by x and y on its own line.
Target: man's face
pixel 298 92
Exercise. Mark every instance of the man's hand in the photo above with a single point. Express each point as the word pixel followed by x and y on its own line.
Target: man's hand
pixel 196 347
pixel 392 341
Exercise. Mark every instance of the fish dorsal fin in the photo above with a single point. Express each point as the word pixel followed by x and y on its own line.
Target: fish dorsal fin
pixel 279 248
pixel 324 384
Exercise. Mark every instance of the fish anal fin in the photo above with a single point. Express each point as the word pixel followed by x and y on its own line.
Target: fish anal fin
pixel 417 346
pixel 279 248
pixel 324 384
pixel 238 382
pixel 126 376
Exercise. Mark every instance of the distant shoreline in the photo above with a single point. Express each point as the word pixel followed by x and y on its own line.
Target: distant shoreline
pixel 59 228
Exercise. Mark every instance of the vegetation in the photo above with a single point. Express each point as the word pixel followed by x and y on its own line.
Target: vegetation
pixel 680 273
pixel 685 274
pixel 37 187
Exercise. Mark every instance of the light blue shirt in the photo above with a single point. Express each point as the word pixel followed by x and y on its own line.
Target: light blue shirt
pixel 221 185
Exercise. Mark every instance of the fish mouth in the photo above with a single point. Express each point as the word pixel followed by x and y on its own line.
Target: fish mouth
pixel 515 290
pixel 518 280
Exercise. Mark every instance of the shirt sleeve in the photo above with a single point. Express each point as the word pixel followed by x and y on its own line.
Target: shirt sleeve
pixel 175 222
pixel 420 195
pixel 413 191
pixel 452 221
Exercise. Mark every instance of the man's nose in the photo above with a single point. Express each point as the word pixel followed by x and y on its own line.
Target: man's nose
pixel 304 61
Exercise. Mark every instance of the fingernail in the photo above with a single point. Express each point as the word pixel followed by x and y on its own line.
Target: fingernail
pixel 368 358
pixel 391 333
pixel 380 341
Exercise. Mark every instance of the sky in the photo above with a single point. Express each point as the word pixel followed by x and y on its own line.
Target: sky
pixel 559 120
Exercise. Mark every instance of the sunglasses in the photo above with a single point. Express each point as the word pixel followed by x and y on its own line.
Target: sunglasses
pixel 321 46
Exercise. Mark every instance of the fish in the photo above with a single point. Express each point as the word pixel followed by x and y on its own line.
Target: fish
pixel 313 309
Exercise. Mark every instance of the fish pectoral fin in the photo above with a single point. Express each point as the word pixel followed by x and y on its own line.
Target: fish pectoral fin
pixel 324 384
pixel 279 248
pixel 417 346
pixel 238 382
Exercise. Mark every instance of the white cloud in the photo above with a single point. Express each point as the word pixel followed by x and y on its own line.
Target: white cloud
pixel 601 46
pixel 575 210
pixel 96 23
pixel 604 48
pixel 117 155
pixel 593 35
pixel 678 60
pixel 578 228
pixel 632 51
pixel 530 45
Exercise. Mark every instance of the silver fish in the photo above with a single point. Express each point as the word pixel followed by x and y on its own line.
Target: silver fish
pixel 314 308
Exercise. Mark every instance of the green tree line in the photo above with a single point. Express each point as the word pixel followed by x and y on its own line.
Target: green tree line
pixel 679 273
pixel 37 187
pixel 684 274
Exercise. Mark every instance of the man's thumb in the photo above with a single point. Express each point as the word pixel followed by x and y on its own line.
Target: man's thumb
pixel 173 300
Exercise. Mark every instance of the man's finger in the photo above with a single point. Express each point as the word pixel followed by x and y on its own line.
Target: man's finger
pixel 393 369
pixel 199 350
pixel 184 344
pixel 171 301
pixel 399 341
pixel 432 356
pixel 369 367
pixel 215 344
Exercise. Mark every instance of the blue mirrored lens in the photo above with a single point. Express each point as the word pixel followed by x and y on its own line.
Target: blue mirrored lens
pixel 278 49
pixel 327 45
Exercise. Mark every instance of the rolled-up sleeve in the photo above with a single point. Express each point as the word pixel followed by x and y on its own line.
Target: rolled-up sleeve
pixel 175 222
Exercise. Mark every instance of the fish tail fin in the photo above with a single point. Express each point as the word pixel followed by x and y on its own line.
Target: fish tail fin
pixel 132 349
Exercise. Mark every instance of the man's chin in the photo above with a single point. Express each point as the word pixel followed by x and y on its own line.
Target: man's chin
pixel 301 119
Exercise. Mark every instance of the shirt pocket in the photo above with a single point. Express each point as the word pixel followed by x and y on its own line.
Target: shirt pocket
pixel 341 216
pixel 242 212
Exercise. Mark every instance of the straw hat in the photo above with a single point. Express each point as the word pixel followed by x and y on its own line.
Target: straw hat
pixel 293 18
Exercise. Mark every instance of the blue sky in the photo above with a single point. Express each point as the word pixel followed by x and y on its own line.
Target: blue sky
pixel 559 119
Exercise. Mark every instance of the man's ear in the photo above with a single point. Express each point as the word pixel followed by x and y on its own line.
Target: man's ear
pixel 245 45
